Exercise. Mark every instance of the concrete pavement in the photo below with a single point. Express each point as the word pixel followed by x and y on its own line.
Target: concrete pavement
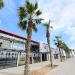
pixel 66 68
pixel 20 70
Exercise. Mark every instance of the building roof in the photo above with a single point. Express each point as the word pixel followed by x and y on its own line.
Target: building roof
pixel 15 35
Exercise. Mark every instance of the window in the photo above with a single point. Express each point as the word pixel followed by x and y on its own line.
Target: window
pixel 0 44
pixel 1 53
pixel 12 53
pixel 34 55
pixel 9 54
pixel 44 47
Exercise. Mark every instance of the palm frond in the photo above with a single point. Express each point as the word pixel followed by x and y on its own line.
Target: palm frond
pixel 22 25
pixel 29 7
pixel 46 25
pixel 38 21
pixel 27 14
pixel 22 13
pixel 34 27
pixel 1 4
pixel 58 37
pixel 38 13
pixel 36 5
pixel 56 43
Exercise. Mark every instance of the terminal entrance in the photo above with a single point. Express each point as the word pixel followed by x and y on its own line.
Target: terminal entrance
pixel 10 58
pixel 44 57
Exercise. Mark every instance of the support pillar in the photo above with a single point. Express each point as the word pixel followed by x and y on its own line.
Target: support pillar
pixel 18 59
pixel 32 58
pixel 41 57
pixel 47 57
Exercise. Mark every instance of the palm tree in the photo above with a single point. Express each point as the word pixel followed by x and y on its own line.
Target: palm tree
pixel 58 43
pixel 47 25
pixel 28 20
pixel 65 48
pixel 1 4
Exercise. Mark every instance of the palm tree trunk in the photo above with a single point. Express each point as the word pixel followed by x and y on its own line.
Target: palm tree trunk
pixel 28 44
pixel 27 59
pixel 60 55
pixel 48 41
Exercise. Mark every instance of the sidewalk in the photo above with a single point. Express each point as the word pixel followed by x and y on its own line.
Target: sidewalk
pixel 66 68
pixel 20 70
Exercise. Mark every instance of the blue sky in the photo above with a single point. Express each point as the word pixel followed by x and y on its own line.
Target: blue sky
pixel 61 13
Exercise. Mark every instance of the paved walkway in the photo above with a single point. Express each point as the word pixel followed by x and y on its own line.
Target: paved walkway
pixel 20 70
pixel 66 68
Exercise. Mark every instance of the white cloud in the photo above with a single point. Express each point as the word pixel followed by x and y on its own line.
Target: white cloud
pixel 62 14
pixel 10 6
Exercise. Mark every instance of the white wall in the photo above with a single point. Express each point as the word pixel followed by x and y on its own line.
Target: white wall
pixel 43 47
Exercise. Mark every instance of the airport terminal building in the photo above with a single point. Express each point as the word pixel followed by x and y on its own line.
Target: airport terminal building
pixel 12 47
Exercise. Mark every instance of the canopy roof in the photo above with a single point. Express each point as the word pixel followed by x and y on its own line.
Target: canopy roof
pixel 17 36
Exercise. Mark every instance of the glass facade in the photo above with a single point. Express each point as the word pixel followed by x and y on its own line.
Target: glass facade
pixel 8 42
pixel 12 48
